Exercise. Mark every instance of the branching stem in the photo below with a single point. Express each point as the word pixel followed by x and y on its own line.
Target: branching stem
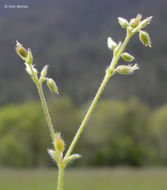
pixel 135 25
pixel 98 94
pixel 84 122
pixel 43 102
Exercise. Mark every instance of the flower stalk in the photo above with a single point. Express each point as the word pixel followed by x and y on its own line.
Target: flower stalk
pixel 46 112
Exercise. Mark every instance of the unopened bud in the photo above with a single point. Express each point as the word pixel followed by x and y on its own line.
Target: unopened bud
pixel 145 38
pixel 123 22
pixel 29 57
pixel 52 85
pixel 145 22
pixel 127 57
pixel 126 69
pixel 134 22
pixel 110 43
pixel 59 143
pixel 44 71
pixel 21 51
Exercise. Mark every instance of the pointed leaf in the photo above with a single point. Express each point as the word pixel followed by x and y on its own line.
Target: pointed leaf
pixel 53 154
pixel 72 158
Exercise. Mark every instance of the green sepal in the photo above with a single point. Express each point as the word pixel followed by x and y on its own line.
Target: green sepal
pixel 29 58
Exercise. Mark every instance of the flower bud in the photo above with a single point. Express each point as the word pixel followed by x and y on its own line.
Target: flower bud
pixel 44 71
pixel 59 143
pixel 21 51
pixel 52 85
pixel 123 22
pixel 134 22
pixel 29 58
pixel 110 43
pixel 126 69
pixel 127 57
pixel 145 22
pixel 145 38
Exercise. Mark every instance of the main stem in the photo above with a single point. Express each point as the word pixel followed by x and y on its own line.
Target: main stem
pixel 99 92
pixel 60 177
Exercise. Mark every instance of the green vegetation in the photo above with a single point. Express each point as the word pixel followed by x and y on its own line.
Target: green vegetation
pixel 138 139
pixel 118 179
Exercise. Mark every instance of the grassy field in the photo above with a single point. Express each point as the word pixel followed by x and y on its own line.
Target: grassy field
pixel 84 179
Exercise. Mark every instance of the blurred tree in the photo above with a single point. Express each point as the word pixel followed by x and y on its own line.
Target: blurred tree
pixel 22 130
pixel 24 137
pixel 118 133
pixel 159 131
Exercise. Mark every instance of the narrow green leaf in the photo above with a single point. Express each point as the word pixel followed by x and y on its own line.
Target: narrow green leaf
pixel 72 158
pixel 53 154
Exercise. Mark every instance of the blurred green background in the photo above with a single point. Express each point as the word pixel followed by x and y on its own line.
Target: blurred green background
pixel 128 128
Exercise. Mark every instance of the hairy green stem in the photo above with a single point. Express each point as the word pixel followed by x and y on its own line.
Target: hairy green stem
pixel 116 58
pixel 45 109
pixel 99 92
pixel 95 100
pixel 60 178
pixel 43 102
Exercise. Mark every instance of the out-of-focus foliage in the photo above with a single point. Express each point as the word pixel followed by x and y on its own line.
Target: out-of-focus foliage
pixel 23 136
pixel 122 132
pixel 119 133
pixel 159 129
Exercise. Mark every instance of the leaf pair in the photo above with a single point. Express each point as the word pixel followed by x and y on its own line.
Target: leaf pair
pixel 54 155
